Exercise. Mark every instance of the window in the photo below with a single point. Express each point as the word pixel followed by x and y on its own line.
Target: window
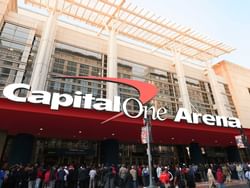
pixel 16 54
pixel 73 61
pixel 227 100
pixel 166 82
pixel 201 96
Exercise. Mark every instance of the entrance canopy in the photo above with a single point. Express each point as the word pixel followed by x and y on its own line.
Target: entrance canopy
pixel 69 123
pixel 137 24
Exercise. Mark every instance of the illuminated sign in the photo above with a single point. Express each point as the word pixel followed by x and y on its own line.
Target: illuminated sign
pixel 146 93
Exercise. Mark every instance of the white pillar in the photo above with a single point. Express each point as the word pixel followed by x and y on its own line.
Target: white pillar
pixel 215 90
pixel 41 66
pixel 181 80
pixel 25 56
pixel 112 64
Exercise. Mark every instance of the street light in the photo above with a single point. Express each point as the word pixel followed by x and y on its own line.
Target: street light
pixel 147 123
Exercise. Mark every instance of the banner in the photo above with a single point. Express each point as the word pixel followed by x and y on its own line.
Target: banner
pixel 144 134
pixel 239 141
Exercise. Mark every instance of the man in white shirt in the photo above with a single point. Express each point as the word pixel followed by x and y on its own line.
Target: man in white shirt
pixel 92 174
pixel 158 171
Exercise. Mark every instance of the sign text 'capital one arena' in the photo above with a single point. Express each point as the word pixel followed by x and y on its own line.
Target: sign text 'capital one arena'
pixel 87 101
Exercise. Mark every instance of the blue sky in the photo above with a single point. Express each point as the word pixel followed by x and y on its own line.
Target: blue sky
pixel 227 21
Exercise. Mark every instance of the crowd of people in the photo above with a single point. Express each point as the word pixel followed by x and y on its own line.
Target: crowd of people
pixel 121 176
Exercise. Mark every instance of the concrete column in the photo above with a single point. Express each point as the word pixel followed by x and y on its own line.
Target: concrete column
pixel 181 80
pixel 24 59
pixel 112 64
pixel 182 154
pixel 21 149
pixel 195 153
pixel 233 154
pixel 42 62
pixel 3 137
pixel 215 90
pixel 110 152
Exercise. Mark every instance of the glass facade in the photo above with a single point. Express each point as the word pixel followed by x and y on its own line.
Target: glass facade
pixel 72 61
pixel 135 154
pixel 201 97
pixel 16 56
pixel 167 83
pixel 65 151
pixel 228 100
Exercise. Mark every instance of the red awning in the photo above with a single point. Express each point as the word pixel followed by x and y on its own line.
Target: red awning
pixel 71 123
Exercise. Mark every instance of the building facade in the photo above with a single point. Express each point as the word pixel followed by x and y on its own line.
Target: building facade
pixel 37 48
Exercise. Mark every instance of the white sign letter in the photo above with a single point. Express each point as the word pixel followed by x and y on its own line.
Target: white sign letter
pixel 124 107
pixel 9 92
pixel 183 114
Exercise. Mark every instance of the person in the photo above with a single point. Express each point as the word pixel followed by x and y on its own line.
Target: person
pixel 210 177
pixel 190 178
pixel 123 174
pixel 227 173
pixel 47 178
pixel 179 180
pixel 32 173
pixel 240 172
pixel 165 178
pixel 39 176
pixel 71 177
pixel 145 176
pixel 134 176
pixel 220 178
pixel 83 177
pixel 109 179
pixel 247 176
pixel 158 172
pixel 60 177
pixel 139 175
pixel 92 175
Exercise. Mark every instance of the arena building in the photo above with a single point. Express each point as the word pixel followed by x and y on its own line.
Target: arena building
pixel 70 50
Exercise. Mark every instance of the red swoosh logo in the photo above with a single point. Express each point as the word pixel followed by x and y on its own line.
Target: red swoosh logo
pixel 146 91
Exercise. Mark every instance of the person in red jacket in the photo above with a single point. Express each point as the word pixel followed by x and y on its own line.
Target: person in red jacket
pixel 220 178
pixel 165 178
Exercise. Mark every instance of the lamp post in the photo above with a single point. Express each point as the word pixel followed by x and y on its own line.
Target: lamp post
pixel 147 123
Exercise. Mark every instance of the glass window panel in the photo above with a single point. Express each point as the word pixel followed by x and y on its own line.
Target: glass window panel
pixel 71 60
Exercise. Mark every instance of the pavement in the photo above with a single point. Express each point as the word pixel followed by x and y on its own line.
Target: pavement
pixel 232 184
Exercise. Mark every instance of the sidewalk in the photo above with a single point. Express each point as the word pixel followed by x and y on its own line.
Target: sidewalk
pixel 233 183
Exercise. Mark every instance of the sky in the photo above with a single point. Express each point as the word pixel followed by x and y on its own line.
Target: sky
pixel 227 21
